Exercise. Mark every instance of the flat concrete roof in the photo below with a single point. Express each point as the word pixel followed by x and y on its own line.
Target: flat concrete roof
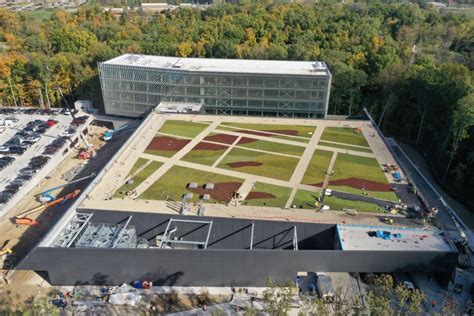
pixel 223 65
pixel 358 237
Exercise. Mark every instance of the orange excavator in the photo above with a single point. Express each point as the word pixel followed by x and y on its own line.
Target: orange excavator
pixel 21 219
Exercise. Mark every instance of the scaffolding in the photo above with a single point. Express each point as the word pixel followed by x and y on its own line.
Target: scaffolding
pixel 75 226
pixel 170 239
pixel 81 233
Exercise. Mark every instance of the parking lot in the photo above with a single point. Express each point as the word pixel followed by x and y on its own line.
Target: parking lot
pixel 37 141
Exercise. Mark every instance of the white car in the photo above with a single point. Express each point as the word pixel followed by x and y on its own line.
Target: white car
pixel 33 139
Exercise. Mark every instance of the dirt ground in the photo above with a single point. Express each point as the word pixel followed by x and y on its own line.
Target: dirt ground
pixel 21 239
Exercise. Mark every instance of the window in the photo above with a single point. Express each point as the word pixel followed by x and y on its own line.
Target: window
pixel 254 93
pixel 271 93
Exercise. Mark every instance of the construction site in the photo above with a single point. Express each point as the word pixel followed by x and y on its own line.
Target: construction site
pixel 212 188
pixel 38 209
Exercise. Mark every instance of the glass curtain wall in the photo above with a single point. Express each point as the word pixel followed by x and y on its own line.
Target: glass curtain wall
pixel 131 91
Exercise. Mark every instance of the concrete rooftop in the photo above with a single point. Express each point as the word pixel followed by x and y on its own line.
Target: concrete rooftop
pixel 356 237
pixel 223 65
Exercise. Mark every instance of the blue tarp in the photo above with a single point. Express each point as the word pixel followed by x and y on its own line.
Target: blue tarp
pixel 386 235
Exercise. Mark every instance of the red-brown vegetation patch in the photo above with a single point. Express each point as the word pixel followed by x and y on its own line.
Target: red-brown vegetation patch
pixel 167 143
pixel 246 140
pixel 222 191
pixel 221 138
pixel 240 164
pixel 360 184
pixel 259 195
pixel 209 146
pixel 276 131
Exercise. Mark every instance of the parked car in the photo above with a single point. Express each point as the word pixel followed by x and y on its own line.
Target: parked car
pixel 54 112
pixel 51 122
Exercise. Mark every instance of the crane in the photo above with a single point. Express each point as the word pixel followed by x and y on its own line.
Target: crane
pixel 45 196
pixel 108 134
pixel 89 147
pixel 21 219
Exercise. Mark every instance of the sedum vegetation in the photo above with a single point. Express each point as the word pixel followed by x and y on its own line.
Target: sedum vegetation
pixel 409 65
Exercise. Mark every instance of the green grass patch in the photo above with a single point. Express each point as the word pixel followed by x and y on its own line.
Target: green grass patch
pixel 204 157
pixel 281 195
pixel 182 128
pixel 162 153
pixel 348 147
pixel 173 184
pixel 318 167
pixel 238 130
pixel 305 199
pixel 273 166
pixel 382 195
pixel 344 135
pixel 275 147
pixel 140 163
pixel 138 179
pixel 350 166
pixel 338 204
pixel 303 131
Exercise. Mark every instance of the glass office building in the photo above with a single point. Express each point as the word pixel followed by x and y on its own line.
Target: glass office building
pixel 134 84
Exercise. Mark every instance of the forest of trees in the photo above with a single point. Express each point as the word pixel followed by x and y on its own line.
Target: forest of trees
pixel 410 66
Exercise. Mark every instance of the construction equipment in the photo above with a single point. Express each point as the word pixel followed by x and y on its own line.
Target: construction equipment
pixel 84 154
pixel 45 196
pixel 5 252
pixel 388 220
pixel 84 139
pixel 21 219
pixel 108 134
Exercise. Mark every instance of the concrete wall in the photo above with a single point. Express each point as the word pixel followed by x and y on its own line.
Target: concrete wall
pixel 67 266
pixel 227 261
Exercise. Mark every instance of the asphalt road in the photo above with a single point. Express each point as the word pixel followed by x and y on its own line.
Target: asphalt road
pixel 428 194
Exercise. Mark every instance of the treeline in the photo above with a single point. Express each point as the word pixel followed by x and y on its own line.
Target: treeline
pixel 411 67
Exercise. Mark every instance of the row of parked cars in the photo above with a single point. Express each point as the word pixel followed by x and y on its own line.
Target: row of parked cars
pixel 17 145
pixel 23 177
pixel 26 137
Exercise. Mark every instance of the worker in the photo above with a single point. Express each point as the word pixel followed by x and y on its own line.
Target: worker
pixel 433 304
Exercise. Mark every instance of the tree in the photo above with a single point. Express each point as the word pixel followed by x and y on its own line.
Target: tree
pixel 278 296
pixel 379 295
pixel 463 120
pixel 314 306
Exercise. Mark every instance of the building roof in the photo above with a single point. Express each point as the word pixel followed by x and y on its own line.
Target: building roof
pixel 355 237
pixel 223 65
